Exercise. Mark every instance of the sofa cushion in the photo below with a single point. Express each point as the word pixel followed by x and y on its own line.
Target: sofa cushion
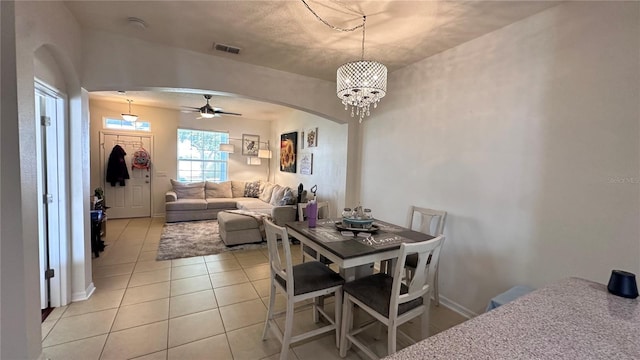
pixel 266 192
pixel 220 203
pixel 252 204
pixel 237 188
pixel 236 222
pixel 252 189
pixel 187 204
pixel 277 195
pixel 217 190
pixel 288 198
pixel 188 190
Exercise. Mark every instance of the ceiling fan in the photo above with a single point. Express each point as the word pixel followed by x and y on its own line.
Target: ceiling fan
pixel 208 112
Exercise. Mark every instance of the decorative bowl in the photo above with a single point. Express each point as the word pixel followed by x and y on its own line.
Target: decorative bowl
pixel 357 223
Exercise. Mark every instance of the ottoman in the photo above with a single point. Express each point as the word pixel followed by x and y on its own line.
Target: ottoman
pixel 238 229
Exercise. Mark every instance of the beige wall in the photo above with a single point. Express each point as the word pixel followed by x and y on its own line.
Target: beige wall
pixel 164 126
pixel 50 26
pixel 329 157
pixel 522 135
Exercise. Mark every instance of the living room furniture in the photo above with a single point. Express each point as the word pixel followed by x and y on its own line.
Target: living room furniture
pixel 431 222
pixel 298 283
pixel 569 319
pixel 204 200
pixel 238 229
pixel 389 300
pixel 354 255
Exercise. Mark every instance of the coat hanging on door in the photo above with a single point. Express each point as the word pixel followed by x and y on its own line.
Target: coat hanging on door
pixel 116 167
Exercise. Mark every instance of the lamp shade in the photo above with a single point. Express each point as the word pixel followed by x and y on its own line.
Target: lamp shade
pixel 264 154
pixel 130 117
pixel 230 148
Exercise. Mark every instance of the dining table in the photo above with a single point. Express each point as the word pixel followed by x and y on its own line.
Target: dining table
pixel 354 251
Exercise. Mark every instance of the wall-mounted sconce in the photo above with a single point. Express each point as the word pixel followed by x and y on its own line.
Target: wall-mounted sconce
pixel 252 160
pixel 229 148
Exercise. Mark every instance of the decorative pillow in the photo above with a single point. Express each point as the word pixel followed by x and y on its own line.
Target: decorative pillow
pixel 252 189
pixel 217 190
pixel 276 196
pixel 188 190
pixel 288 198
pixel 237 189
pixel 266 193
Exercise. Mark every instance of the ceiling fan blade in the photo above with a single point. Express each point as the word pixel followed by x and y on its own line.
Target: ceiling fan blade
pixel 227 113
pixel 191 107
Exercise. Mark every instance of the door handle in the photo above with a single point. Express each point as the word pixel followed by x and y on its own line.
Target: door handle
pixel 147 181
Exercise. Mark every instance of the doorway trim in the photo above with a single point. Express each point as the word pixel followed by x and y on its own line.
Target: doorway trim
pixel 60 247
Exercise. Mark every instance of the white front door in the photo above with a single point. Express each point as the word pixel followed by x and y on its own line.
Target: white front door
pixel 134 198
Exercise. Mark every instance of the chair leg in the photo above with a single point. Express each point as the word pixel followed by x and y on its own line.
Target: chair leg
pixel 272 299
pixel 436 293
pixel 288 329
pixel 347 318
pixel 378 331
pixel 338 315
pixel 424 319
pixel 391 338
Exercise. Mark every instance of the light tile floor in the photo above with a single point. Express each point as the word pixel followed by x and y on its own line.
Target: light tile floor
pixel 203 307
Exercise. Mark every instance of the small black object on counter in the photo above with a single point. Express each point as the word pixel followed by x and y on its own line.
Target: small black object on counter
pixel 623 283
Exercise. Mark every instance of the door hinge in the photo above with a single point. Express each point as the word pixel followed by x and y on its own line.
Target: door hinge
pixel 45 120
pixel 48 274
pixel 47 198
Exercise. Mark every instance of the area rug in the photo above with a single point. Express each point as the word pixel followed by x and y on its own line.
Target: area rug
pixel 195 238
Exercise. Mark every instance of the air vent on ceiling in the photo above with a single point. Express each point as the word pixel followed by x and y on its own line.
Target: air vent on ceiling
pixel 226 48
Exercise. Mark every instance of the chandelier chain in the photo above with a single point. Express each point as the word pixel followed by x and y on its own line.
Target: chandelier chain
pixel 327 23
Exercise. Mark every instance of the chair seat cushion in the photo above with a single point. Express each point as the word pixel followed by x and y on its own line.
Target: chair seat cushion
pixel 311 276
pixel 375 292
pixel 412 260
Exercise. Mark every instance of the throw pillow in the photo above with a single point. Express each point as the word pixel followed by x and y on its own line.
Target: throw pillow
pixel 266 193
pixel 237 189
pixel 217 190
pixel 276 196
pixel 188 190
pixel 289 198
pixel 252 189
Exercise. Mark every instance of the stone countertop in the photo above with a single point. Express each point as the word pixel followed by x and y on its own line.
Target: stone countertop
pixel 570 319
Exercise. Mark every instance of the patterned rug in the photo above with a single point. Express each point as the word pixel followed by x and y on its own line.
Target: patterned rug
pixel 195 238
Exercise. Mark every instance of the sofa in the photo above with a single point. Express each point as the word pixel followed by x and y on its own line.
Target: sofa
pixel 204 200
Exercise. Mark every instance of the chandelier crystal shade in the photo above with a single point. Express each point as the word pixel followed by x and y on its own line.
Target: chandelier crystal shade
pixel 360 84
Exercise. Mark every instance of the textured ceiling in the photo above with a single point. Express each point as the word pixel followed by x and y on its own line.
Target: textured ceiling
pixel 284 35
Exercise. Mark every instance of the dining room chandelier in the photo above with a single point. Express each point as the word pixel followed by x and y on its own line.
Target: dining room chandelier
pixel 360 83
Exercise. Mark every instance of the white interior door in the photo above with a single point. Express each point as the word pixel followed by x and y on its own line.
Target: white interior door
pixel 134 198
pixel 51 180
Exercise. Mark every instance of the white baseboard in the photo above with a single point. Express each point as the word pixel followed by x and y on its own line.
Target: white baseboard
pixel 454 306
pixel 83 295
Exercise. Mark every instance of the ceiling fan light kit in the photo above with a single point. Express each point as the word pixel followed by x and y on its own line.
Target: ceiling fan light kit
pixel 129 116
pixel 360 83
pixel 208 112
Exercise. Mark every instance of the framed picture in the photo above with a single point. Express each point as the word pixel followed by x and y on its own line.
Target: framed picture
pixel 250 145
pixel 288 148
pixel 306 164
pixel 311 137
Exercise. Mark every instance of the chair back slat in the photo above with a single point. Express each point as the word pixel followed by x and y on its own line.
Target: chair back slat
pixel 284 269
pixel 323 210
pixel 419 284
pixel 430 221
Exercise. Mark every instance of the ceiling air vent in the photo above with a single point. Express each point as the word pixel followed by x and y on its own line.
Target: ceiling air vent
pixel 226 48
